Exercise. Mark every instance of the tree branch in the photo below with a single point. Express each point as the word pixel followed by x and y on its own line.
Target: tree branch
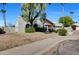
pixel 37 15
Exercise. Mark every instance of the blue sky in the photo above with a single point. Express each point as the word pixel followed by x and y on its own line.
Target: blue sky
pixel 53 12
pixel 13 11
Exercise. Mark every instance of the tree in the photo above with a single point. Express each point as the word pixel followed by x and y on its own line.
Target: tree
pixel 66 21
pixel 31 11
pixel 3 11
pixel 43 18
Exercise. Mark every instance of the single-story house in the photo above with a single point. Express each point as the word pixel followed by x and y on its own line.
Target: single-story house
pixel 49 25
pixel 21 24
pixel 58 25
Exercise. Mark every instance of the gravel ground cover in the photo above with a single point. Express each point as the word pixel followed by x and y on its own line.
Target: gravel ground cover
pixel 11 40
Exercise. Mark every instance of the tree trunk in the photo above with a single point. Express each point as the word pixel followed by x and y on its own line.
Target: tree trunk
pixel 4 19
pixel 31 24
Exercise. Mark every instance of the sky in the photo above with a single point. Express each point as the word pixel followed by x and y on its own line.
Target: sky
pixel 13 10
pixel 53 11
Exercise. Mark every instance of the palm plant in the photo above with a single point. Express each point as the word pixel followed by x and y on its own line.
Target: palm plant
pixel 3 11
pixel 71 12
pixel 62 9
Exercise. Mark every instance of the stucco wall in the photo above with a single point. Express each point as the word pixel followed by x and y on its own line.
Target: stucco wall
pixel 20 25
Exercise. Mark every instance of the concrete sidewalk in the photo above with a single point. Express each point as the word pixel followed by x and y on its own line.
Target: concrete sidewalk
pixel 37 47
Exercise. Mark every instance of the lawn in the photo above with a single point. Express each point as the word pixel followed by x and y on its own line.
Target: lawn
pixel 11 40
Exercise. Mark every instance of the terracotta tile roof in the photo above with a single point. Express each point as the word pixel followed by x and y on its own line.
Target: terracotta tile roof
pixel 49 22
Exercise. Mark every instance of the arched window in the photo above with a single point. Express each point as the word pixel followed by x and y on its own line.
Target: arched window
pixel 27 25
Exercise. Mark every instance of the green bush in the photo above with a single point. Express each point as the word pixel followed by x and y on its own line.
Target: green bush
pixel 30 30
pixel 51 30
pixel 56 31
pixel 62 32
pixel 40 29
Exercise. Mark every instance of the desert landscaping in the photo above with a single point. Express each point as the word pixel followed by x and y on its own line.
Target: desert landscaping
pixel 35 30
pixel 11 40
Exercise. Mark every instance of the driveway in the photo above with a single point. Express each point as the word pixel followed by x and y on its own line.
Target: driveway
pixel 38 47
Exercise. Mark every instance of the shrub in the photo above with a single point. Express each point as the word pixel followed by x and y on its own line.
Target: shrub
pixel 62 32
pixel 40 29
pixel 55 31
pixel 30 30
pixel 2 31
pixel 73 27
pixel 51 30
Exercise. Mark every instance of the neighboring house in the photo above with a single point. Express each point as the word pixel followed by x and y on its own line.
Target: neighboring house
pixel 77 26
pixel 49 25
pixel 21 24
pixel 58 25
